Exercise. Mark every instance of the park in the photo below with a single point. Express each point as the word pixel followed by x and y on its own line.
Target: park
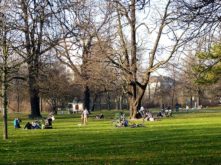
pixel 186 138
pixel 110 82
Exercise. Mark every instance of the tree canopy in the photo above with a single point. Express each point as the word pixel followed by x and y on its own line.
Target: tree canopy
pixel 209 67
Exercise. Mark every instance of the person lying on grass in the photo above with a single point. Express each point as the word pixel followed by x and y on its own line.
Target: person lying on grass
pixel 101 116
pixel 34 125
pixel 122 123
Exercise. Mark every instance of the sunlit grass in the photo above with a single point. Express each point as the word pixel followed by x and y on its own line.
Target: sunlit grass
pixel 192 137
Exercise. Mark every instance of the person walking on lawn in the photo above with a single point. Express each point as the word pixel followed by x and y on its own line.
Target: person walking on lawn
pixel 85 116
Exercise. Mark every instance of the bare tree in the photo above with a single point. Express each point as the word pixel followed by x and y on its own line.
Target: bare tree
pixel 127 57
pixel 55 86
pixel 103 78
pixel 39 25
pixel 204 16
pixel 188 77
pixel 76 52
pixel 9 62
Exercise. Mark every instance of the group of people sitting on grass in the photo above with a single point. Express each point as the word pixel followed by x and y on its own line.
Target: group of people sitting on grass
pixel 148 116
pixel 165 112
pixel 45 124
pixel 123 122
pixel 145 114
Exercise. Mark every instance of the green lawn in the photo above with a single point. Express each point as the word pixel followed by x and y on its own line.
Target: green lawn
pixel 186 138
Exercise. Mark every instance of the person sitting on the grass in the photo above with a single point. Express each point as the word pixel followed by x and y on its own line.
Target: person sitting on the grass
pixel 125 123
pixel 168 111
pixel 48 122
pixel 140 113
pixel 149 116
pixel 122 122
pixel 160 114
pixel 36 125
pixel 28 125
pixel 16 123
pixel 122 116
pixel 33 125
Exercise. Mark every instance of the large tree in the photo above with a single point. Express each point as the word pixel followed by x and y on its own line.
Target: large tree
pixel 9 61
pixel 91 19
pixel 130 33
pixel 188 80
pixel 39 25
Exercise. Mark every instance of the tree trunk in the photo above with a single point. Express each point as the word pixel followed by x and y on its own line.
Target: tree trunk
pixel 116 104
pixel 120 102
pixel 34 99
pixel 41 104
pixel 5 83
pixel 133 108
pixel 191 102
pixel 5 105
pixel 198 103
pixel 108 101
pixel 94 101
pixel 135 101
pixel 100 103
pixel 87 98
pixel 173 97
pixel 34 96
pixel 18 95
pixel 54 104
pixel 149 94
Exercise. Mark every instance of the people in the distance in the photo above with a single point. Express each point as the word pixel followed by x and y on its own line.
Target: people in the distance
pixel 28 125
pixel 101 116
pixel 16 123
pixel 85 116
pixel 48 122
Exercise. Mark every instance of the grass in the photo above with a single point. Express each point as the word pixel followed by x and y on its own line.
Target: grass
pixel 186 138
